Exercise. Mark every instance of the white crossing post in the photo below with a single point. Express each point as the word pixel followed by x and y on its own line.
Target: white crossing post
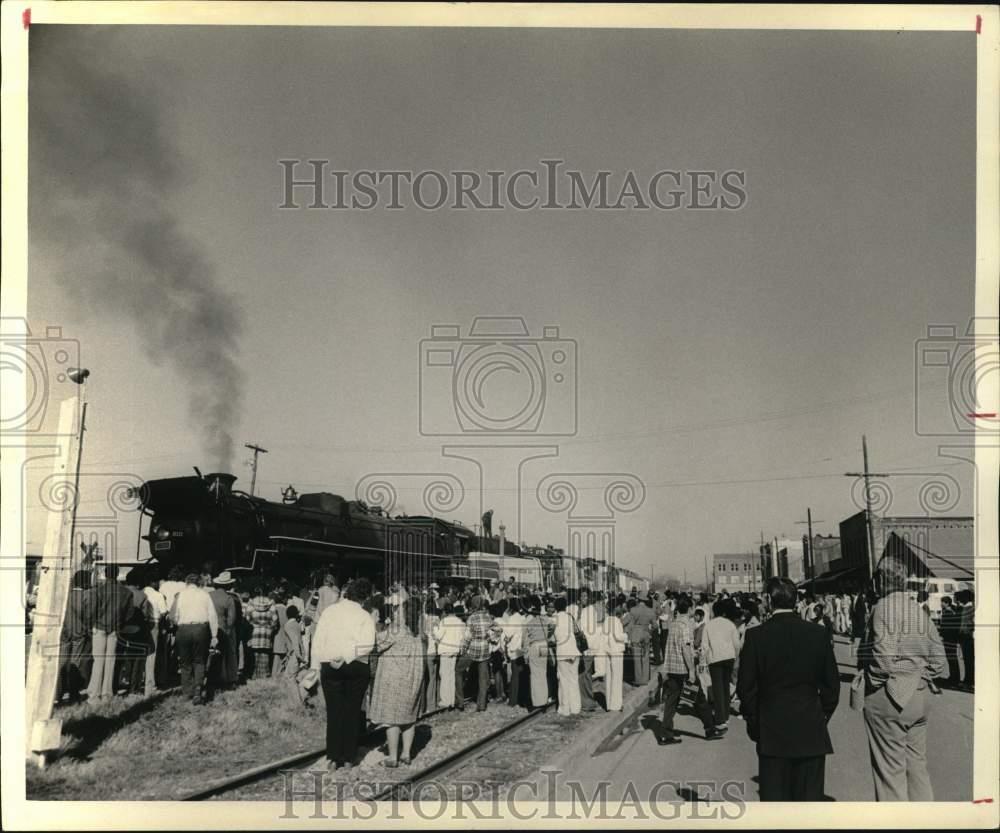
pixel 55 573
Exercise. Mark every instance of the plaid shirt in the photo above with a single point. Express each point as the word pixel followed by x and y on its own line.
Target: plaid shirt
pixel 480 627
pixel 678 638
pixel 902 649
pixel 261 614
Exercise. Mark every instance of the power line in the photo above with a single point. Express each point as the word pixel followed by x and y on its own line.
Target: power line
pixel 703 425
pixel 601 488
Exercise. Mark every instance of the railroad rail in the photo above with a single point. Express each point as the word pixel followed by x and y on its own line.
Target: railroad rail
pixel 405 787
pixel 450 762
pixel 264 770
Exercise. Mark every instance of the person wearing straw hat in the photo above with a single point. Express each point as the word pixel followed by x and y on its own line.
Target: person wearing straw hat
pixel 225 610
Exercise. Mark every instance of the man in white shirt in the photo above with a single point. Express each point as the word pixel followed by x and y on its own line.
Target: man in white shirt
pixel 720 644
pixel 197 631
pixel 615 641
pixel 449 634
pixel 156 611
pixel 343 639
pixel 328 594
pixel 567 660
pixel 173 585
pixel 513 631
pixel 665 615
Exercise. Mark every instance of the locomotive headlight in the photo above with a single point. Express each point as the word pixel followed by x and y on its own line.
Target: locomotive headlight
pixel 162 533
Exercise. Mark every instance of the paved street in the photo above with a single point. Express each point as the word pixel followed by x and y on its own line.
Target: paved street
pixel 638 759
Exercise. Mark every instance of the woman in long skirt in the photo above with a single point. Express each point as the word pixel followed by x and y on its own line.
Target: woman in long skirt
pixel 263 618
pixel 399 676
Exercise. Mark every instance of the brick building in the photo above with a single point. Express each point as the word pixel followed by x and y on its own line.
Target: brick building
pixel 931 546
pixel 737 573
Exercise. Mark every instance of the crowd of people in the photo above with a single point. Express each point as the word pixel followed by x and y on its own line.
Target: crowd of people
pixel 145 634
pixel 772 660
pixel 388 658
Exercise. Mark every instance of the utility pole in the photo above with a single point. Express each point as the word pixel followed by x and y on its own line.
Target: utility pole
pixel 503 542
pixel 257 450
pixel 867 475
pixel 810 565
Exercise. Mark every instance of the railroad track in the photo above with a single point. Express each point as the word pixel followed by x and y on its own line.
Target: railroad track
pixel 408 783
pixel 406 787
pixel 258 773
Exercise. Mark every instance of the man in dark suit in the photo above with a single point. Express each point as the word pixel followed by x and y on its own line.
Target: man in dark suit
pixel 788 688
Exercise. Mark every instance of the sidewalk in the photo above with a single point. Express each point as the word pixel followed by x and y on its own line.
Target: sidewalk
pixel 595 732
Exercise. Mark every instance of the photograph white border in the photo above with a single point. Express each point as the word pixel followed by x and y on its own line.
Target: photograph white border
pixel 40 815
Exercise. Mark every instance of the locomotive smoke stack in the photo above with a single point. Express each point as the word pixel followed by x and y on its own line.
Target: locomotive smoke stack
pixel 220 483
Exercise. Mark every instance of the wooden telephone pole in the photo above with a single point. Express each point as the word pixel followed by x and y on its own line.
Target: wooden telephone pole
pixel 867 475
pixel 810 564
pixel 257 450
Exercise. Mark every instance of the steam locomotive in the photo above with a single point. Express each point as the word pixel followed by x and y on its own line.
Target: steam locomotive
pixel 201 522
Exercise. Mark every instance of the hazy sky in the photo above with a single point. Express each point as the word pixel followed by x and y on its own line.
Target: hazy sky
pixel 730 360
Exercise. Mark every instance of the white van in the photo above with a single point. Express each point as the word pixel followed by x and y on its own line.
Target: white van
pixel 937 589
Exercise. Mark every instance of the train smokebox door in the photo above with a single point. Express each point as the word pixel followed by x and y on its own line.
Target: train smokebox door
pixel 409 554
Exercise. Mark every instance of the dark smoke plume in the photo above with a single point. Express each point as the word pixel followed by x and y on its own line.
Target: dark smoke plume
pixel 102 167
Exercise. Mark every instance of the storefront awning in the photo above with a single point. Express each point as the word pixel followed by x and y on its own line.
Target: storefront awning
pixel 830 577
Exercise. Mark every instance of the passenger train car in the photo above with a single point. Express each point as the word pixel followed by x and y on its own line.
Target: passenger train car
pixel 485 567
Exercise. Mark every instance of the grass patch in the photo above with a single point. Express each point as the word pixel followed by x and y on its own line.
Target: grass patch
pixel 160 747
